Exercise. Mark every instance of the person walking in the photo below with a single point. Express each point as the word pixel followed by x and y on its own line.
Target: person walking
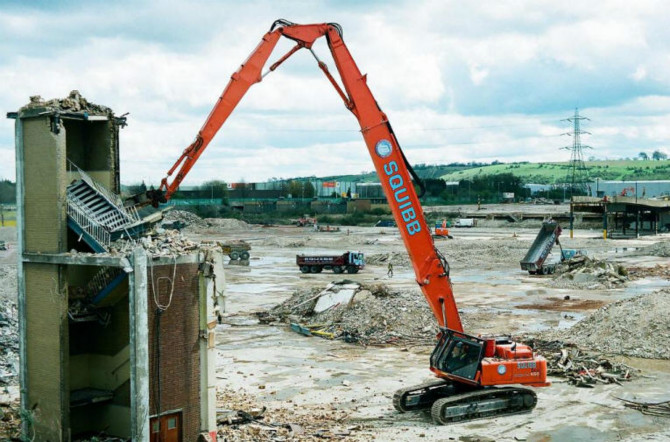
pixel 390 270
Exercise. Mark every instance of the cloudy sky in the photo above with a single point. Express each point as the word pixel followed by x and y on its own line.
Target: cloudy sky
pixel 460 81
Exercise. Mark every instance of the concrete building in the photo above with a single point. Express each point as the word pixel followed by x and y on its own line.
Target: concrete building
pixel 113 340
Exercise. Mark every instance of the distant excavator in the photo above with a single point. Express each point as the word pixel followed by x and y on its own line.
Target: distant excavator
pixel 476 375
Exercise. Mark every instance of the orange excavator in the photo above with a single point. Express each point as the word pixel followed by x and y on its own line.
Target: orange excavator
pixel 476 376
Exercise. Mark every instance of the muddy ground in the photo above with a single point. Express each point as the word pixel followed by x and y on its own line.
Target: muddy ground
pixel 316 388
pixel 281 369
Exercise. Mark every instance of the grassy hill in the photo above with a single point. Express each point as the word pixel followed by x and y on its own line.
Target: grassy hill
pixel 554 173
pixel 423 170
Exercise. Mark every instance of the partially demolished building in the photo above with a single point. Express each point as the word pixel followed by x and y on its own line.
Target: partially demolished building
pixel 116 331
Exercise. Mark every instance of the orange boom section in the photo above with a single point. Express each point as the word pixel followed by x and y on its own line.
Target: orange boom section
pixel 430 268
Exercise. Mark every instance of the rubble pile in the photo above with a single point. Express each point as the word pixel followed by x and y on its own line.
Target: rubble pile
pixel 227 223
pixel 396 258
pixel 583 272
pixel 10 420
pixel 187 218
pixel 486 254
pixel 73 103
pixel 8 282
pixel 164 243
pixel 659 249
pixel 580 368
pixel 241 418
pixel 636 327
pixel 278 241
pixel 357 313
pixel 9 343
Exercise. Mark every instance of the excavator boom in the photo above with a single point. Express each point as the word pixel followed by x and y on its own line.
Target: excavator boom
pixel 396 175
pixel 470 368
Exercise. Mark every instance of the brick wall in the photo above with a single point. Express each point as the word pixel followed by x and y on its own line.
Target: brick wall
pixel 179 348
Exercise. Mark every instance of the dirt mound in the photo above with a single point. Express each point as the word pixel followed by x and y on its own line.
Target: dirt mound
pixel 582 272
pixel 227 223
pixel 635 327
pixel 293 243
pixel 357 313
pixel 659 249
pixel 485 254
pixel 396 258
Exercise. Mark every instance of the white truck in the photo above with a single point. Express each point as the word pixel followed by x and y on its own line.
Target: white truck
pixel 465 222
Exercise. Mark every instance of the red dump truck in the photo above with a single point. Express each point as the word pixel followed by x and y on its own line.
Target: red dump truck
pixel 351 262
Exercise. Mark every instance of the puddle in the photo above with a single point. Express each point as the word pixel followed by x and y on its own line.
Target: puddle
pixel 647 365
pixel 646 285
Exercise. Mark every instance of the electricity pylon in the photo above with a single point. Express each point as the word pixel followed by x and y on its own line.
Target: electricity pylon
pixel 578 176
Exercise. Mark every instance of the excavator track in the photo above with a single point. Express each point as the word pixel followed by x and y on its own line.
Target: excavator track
pixel 484 403
pixel 422 396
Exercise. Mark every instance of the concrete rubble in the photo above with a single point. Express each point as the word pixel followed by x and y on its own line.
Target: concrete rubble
pixel 161 243
pixel 363 314
pixel 183 216
pixel 9 343
pixel 659 249
pixel 9 327
pixel 588 273
pixel 193 223
pixel 636 327
pixel 74 102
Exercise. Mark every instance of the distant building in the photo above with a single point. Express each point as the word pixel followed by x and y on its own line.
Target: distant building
pixel 641 189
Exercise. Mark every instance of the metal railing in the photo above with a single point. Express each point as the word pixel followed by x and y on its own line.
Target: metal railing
pixel 130 214
pixel 92 228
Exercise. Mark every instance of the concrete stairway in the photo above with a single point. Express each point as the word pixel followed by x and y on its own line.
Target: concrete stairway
pixel 97 215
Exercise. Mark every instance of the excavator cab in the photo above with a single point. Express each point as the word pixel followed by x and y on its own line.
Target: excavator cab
pixel 457 354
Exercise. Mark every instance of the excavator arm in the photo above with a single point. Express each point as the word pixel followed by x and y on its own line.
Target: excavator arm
pixel 395 173
pixel 470 369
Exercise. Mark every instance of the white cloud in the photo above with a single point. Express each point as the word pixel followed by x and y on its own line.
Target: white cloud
pixel 460 81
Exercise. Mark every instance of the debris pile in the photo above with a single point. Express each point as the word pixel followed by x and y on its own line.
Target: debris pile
pixel 9 342
pixel 10 420
pixel 8 285
pixel 580 368
pixel 184 217
pixel 73 103
pixel 9 327
pixel 165 243
pixel 659 249
pixel 278 241
pixel 369 315
pixel 588 273
pixel 483 254
pixel 396 258
pixel 240 418
pixel 226 224
pixel 636 327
